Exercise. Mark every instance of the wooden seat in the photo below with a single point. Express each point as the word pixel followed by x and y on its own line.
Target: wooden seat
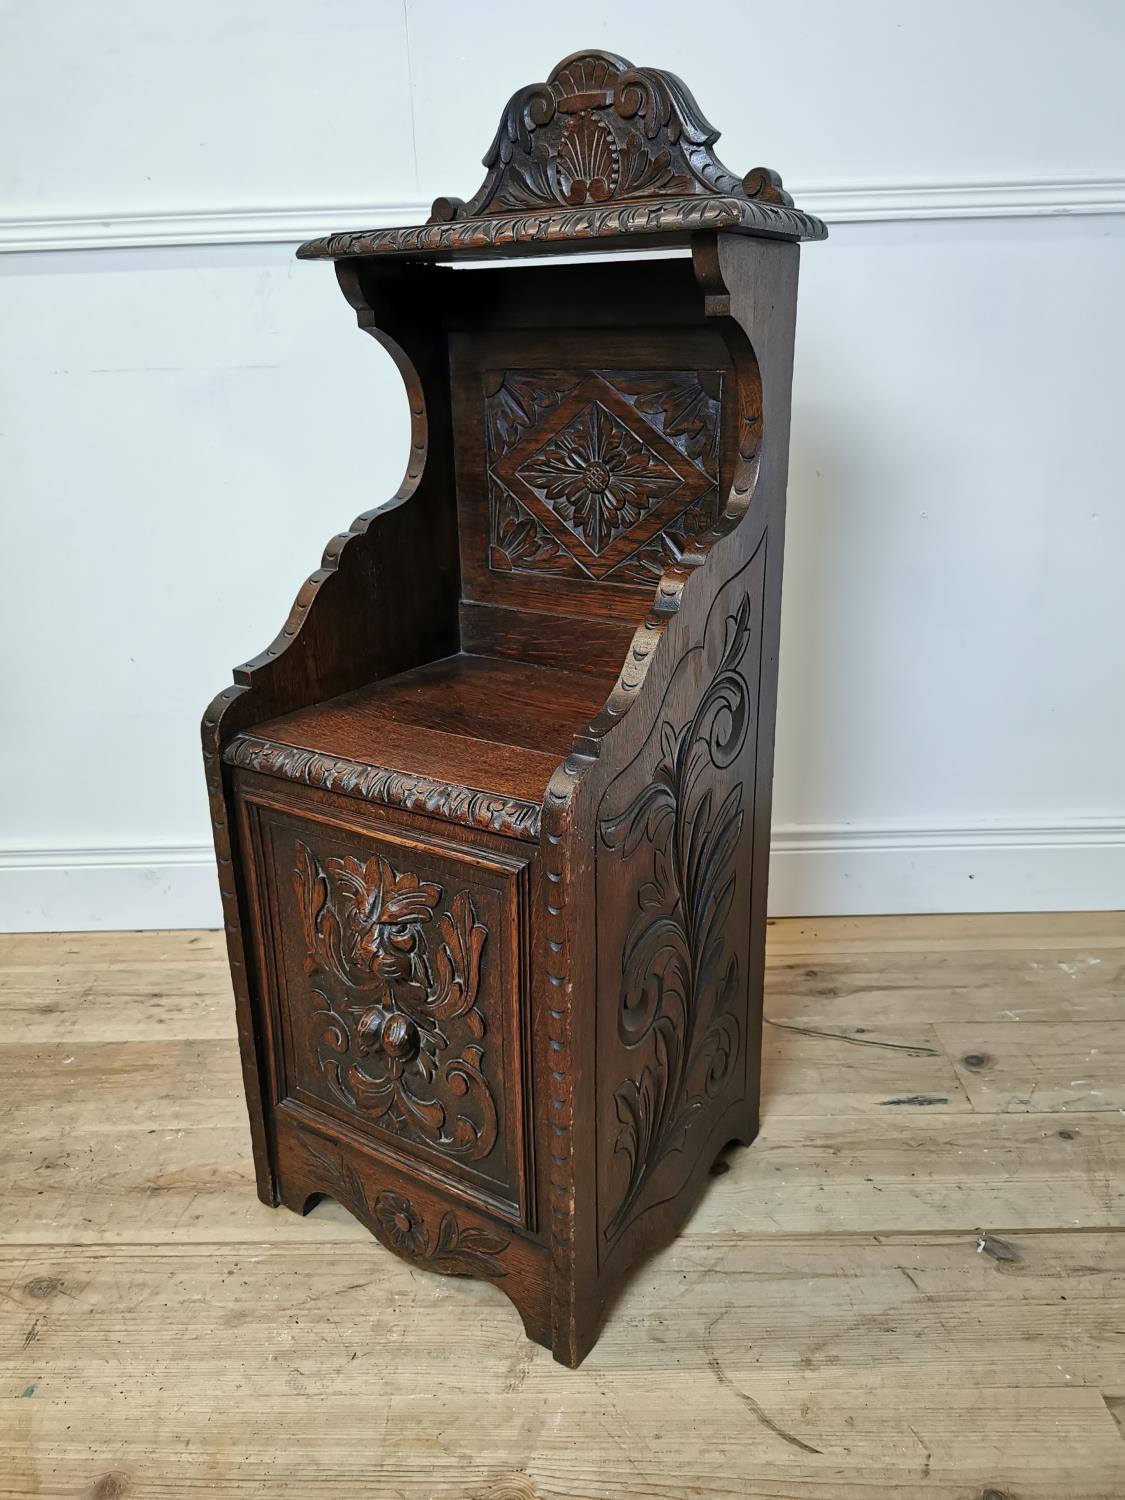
pixel 472 723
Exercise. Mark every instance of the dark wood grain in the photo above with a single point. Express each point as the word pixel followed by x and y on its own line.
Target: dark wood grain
pixel 546 638
pixel 492 814
pixel 479 698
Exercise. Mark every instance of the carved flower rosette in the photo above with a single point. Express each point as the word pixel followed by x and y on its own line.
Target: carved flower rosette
pixel 394 1023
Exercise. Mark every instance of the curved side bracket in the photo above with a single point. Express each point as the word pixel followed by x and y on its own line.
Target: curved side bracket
pixel 356 599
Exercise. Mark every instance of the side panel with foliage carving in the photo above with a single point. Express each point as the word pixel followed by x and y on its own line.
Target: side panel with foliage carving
pixel 673 830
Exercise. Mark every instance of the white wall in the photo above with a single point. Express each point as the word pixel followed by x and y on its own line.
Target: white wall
pixel 186 414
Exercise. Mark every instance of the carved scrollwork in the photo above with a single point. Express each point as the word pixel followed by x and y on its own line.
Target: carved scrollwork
pixel 601 131
pixel 401 1039
pixel 600 149
pixel 678 981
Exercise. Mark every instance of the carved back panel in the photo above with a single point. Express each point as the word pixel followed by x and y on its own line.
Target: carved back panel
pixel 592 449
pixel 599 474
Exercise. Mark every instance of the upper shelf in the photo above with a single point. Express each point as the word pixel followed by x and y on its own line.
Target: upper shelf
pixel 601 152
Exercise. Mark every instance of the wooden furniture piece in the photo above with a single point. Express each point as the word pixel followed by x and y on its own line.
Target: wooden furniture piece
pixel 492 813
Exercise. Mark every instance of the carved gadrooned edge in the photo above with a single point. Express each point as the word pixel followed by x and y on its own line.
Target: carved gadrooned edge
pixel 511 816
pixel 657 221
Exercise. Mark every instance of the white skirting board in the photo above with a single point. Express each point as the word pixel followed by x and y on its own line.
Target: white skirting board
pixel 1074 866
pixel 109 890
pixel 851 872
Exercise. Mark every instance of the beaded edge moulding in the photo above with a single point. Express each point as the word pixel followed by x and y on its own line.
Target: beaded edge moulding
pixel 602 150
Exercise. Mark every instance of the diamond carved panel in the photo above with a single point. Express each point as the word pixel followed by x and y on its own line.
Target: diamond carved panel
pixel 598 478
pixel 599 474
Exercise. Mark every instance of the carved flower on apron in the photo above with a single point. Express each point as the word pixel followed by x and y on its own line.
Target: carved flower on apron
pixel 401 1224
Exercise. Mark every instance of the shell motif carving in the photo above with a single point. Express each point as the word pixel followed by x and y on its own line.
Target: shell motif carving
pixel 600 131
pixel 589 165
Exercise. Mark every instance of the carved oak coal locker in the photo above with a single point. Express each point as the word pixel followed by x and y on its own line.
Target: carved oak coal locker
pixel 492 812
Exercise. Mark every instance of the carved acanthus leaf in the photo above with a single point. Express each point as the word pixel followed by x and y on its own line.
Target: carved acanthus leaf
pixel 678 982
pixel 351 778
pixel 657 218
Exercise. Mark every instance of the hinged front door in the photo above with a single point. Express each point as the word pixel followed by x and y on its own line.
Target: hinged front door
pixel 394 962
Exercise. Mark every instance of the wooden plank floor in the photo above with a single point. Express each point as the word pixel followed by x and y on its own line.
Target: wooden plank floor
pixel 912 1285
